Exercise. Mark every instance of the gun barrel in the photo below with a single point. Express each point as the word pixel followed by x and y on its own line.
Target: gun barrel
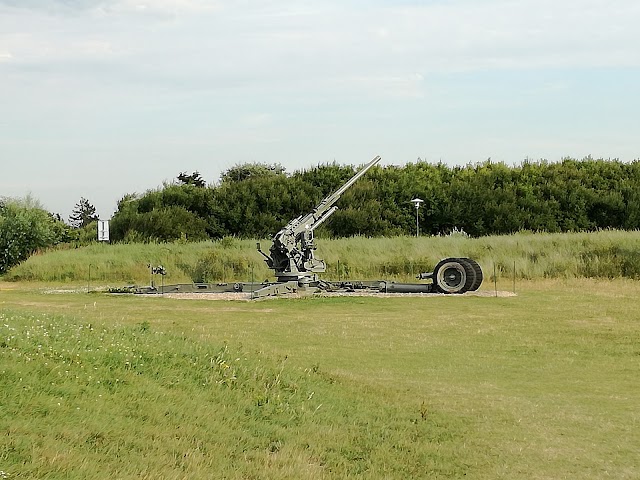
pixel 322 218
pixel 331 199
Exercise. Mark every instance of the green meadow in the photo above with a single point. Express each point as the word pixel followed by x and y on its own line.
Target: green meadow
pixel 542 385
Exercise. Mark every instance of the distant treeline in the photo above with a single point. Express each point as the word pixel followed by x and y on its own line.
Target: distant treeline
pixel 256 200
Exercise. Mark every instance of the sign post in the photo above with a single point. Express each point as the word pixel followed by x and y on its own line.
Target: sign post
pixel 103 230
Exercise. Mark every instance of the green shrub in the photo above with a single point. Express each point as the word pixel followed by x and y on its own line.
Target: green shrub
pixel 26 228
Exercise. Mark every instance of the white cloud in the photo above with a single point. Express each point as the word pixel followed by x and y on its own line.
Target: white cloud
pixel 299 48
pixel 400 86
pixel 257 120
pixel 294 42
pixel 160 8
pixel 69 6
pixel 459 36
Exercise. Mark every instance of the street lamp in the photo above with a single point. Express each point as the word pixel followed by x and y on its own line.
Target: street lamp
pixel 416 203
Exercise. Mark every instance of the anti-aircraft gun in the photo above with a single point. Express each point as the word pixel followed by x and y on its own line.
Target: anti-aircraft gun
pixel 291 255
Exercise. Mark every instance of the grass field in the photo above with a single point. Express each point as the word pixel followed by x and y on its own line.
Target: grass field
pixel 539 386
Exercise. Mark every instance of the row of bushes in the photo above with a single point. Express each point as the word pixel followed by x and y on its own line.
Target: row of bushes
pixel 483 199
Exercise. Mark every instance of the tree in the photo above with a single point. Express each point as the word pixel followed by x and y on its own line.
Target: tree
pixel 83 214
pixel 251 170
pixel 193 179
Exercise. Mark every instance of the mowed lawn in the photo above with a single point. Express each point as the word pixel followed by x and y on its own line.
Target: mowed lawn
pixel 543 385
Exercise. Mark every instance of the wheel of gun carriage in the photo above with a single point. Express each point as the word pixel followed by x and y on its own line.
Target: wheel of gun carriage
pixel 453 275
pixel 478 273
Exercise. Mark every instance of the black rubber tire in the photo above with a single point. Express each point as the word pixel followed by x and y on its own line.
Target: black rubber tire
pixel 478 273
pixel 471 274
pixel 452 275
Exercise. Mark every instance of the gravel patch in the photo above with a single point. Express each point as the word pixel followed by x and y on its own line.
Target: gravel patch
pixel 243 296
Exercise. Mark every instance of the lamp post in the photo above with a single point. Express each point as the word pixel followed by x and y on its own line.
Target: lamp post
pixel 416 202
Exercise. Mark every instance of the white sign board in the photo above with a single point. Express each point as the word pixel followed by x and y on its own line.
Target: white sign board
pixel 103 230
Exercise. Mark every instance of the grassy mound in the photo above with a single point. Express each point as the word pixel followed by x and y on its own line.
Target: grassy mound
pixel 604 254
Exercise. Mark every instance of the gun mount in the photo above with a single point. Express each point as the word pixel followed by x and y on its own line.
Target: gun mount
pixel 291 255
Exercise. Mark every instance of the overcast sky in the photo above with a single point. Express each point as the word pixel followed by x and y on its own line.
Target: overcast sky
pixel 99 98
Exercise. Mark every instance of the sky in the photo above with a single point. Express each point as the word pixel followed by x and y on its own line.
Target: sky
pixel 102 98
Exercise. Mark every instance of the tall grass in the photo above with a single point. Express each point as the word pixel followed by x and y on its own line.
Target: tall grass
pixel 603 254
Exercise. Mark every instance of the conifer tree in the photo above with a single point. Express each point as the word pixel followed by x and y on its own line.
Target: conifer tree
pixel 194 179
pixel 83 214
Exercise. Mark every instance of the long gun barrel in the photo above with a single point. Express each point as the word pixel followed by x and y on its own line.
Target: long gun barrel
pixel 335 196
pixel 291 254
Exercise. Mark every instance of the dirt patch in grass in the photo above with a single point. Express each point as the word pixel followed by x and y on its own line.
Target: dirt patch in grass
pixel 243 296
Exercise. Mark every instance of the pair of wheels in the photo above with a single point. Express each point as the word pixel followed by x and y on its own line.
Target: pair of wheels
pixel 457 275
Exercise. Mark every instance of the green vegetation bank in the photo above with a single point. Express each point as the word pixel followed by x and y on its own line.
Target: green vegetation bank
pixel 605 254
pixel 256 200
